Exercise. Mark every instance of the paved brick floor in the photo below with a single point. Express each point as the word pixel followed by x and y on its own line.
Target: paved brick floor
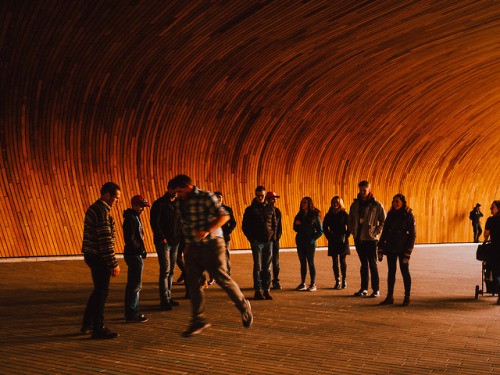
pixel 444 330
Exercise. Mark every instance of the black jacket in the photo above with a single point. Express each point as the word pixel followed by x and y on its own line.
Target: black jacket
pixel 259 222
pixel 133 233
pixel 335 227
pixel 229 226
pixel 165 221
pixel 398 236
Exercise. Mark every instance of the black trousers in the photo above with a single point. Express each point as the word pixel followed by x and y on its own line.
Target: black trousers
pixel 101 274
pixel 391 276
pixel 367 253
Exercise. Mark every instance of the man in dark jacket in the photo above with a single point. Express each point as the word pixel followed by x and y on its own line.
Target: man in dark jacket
pixel 166 225
pixel 99 254
pixel 259 226
pixel 134 253
pixel 271 197
pixel 475 216
pixel 227 229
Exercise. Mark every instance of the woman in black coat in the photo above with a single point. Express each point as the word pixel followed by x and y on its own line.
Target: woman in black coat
pixel 337 232
pixel 396 242
pixel 492 233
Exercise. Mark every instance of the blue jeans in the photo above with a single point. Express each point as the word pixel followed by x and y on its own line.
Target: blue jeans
pixel 262 255
pixel 134 284
pixel 306 256
pixel 101 273
pixel 167 255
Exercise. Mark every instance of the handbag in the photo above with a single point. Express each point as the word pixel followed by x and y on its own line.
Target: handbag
pixel 485 251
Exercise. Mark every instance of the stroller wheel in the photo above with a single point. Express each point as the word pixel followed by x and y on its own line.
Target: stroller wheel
pixel 477 291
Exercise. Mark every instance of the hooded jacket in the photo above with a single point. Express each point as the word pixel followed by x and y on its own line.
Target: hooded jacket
pixel 259 222
pixel 398 236
pixel 165 221
pixel 373 219
pixel 133 233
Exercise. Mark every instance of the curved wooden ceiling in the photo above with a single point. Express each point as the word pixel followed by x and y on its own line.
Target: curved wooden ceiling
pixel 306 98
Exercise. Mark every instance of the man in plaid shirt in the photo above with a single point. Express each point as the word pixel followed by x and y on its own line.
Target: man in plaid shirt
pixel 201 218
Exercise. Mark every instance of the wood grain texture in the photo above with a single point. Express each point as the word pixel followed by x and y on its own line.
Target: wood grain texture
pixel 305 98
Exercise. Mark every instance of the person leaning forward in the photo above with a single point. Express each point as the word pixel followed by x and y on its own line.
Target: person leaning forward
pixel 202 217
pixel 167 234
pixel 259 226
pixel 99 254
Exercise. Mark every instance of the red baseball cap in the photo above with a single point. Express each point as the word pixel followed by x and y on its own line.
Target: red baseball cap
pixel 271 194
pixel 140 201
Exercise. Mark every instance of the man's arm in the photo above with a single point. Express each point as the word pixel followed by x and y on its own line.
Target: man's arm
pixel 220 221
pixel 155 216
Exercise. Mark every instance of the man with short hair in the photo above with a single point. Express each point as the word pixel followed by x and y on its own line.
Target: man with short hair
pixel 227 228
pixel 366 221
pixel 134 252
pixel 167 234
pixel 202 217
pixel 259 226
pixel 271 197
pixel 98 252
pixel 475 216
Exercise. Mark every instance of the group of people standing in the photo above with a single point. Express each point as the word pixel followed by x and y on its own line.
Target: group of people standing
pixel 197 220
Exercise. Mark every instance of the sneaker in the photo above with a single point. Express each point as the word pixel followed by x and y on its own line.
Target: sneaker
pixel 389 300
pixel 337 285
pixel 103 334
pixel 246 315
pixel 361 293
pixel 344 284
pixel 258 295
pixel 211 282
pixel 406 301
pixel 267 295
pixel 141 318
pixel 276 285
pixel 312 288
pixel 195 328
pixel 180 280
pixel 375 294
pixel 86 328
pixel 301 287
pixel 174 303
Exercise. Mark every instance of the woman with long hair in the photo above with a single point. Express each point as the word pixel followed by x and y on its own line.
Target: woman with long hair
pixel 492 233
pixel 337 232
pixel 396 242
pixel 307 224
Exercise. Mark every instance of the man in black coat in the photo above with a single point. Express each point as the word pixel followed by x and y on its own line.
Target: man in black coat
pixel 271 197
pixel 134 253
pixel 227 228
pixel 259 226
pixel 475 216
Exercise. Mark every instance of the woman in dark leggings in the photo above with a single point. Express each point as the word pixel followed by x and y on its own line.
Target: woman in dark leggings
pixel 307 224
pixel 492 233
pixel 396 242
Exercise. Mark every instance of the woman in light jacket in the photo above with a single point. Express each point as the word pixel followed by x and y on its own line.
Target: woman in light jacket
pixel 396 242
pixel 337 232
pixel 307 224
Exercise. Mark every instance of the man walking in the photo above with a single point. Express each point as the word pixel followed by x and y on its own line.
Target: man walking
pixel 167 234
pixel 475 216
pixel 202 218
pixel 271 197
pixel 366 221
pixel 259 226
pixel 227 228
pixel 134 253
pixel 98 252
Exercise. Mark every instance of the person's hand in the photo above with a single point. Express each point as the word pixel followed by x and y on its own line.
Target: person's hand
pixel 406 260
pixel 164 241
pixel 115 271
pixel 201 235
pixel 380 257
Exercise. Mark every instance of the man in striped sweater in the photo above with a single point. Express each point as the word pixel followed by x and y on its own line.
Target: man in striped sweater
pixel 98 251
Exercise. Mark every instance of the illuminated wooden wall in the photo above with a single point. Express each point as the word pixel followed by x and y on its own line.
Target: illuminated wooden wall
pixel 304 97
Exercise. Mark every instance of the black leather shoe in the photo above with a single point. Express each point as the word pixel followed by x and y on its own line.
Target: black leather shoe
pixel 103 334
pixel 258 295
pixel 174 303
pixel 166 306
pixel 141 318
pixel 267 295
pixel 86 328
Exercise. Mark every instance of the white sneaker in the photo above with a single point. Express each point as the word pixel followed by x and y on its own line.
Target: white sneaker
pixel 301 287
pixel 312 288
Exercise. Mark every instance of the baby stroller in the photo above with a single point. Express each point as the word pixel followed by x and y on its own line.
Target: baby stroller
pixel 486 273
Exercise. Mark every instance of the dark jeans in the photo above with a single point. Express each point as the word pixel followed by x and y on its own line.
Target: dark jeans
pixel 367 253
pixel 391 276
pixel 210 257
pixel 343 266
pixel 476 228
pixel 134 284
pixel 262 255
pixel 276 261
pixel 101 273
pixel 167 255
pixel 306 256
